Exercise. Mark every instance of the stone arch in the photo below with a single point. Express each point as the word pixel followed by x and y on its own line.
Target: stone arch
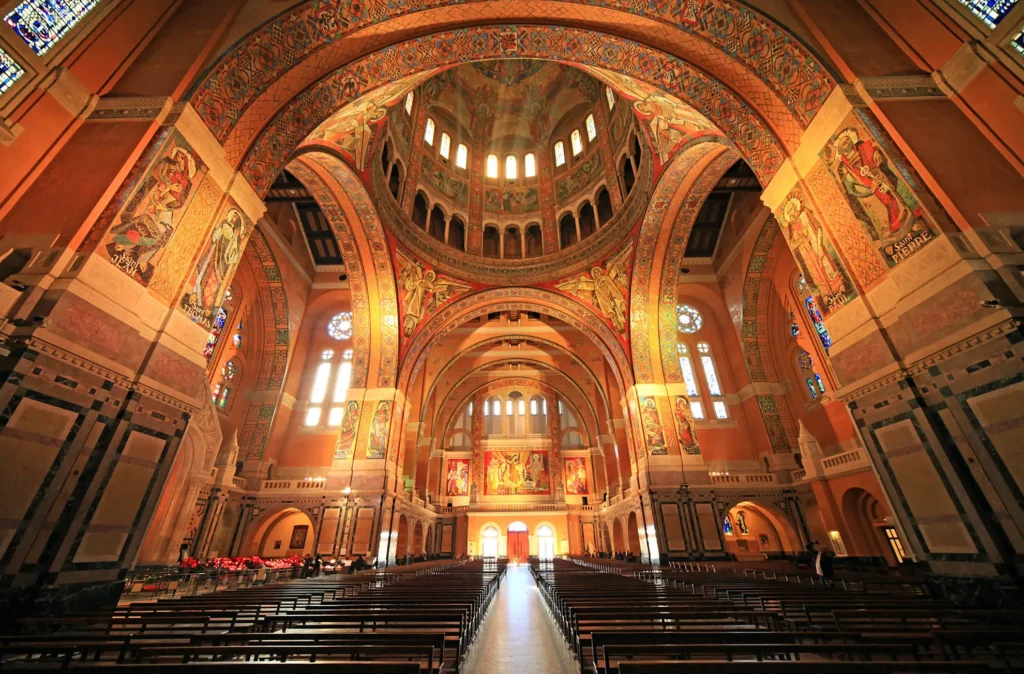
pixel 260 530
pixel 618 540
pixel 788 97
pixel 418 540
pixel 861 511
pixel 402 536
pixel 633 534
pixel 786 532
pixel 344 200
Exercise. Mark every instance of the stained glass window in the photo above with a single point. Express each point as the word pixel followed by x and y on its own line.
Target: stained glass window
pixel 237 340
pixel 10 71
pixel 727 525
pixel 216 391
pixel 810 386
pixel 229 370
pixel 229 294
pixel 530 166
pixel 741 523
pixel 805 360
pixel 492 166
pixel 591 128
pixel 559 153
pixel 794 328
pixel 989 11
pixel 697 409
pixel 687 367
pixel 577 142
pixel 42 23
pixel 218 326
pixel 487 410
pixel 446 145
pixel 409 97
pixel 461 156
pixel 1017 42
pixel 340 326
pixel 428 133
pixel 819 382
pixel 319 390
pixel 690 320
pixel 709 369
pixel 721 412
pixel 818 322
pixel 347 354
pixel 223 402
pixel 610 95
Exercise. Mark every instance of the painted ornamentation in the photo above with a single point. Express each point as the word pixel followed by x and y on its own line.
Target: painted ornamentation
pixel 216 266
pixel 605 287
pixel 347 433
pixel 377 447
pixel 651 422
pixel 443 181
pixel 576 477
pixel 149 219
pixel 816 255
pixel 457 477
pixel 517 473
pixel 685 426
pixel 423 291
pixel 587 172
pixel 888 209
pixel 509 200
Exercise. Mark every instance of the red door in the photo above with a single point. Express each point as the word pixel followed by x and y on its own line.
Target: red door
pixel 518 545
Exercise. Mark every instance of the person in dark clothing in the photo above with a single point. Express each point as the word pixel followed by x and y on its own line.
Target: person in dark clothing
pixel 359 564
pixel 318 565
pixel 307 566
pixel 823 565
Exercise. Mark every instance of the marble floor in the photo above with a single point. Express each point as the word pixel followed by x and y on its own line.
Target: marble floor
pixel 518 635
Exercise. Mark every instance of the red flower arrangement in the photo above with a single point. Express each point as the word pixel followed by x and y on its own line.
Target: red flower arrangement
pixel 241 563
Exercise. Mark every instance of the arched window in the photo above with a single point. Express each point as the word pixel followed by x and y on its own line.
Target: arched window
pixel 711 377
pixel 428 133
pixel 686 365
pixel 490 542
pixel 610 96
pixel 408 103
pixel 577 142
pixel 559 154
pixel 340 326
pixel 727 525
pixel 492 166
pixel 689 319
pixel 341 384
pixel 446 145
pixel 517 526
pixel 511 168
pixel 318 393
pixel 493 423
pixel 530 166
pixel 538 415
pixel 462 156
pixel 813 313
pixel 218 327
pixel 222 390
pixel 591 128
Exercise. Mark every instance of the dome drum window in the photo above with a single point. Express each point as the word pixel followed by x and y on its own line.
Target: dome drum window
pixel 690 320
pixel 340 327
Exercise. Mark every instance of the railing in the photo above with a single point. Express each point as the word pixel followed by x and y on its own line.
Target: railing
pixel 844 461
pixel 140 584
pixel 516 507
pixel 238 482
pixel 798 475
pixel 744 478
pixel 275 484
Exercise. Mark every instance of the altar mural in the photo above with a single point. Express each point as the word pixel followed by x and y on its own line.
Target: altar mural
pixel 457 477
pixel 576 476
pixel 517 473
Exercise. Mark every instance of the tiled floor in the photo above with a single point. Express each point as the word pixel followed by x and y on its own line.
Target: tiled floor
pixel 518 635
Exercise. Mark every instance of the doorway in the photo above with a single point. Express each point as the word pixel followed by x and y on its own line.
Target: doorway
pixel 490 546
pixel 546 544
pixel 518 542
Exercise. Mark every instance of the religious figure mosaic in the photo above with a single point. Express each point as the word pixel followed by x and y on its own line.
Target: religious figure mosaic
pixel 651 423
pixel 216 266
pixel 516 473
pixel 576 476
pixel 583 175
pixel 377 447
pixel 457 477
pixel 423 291
pixel 685 426
pixel 880 197
pixel 605 287
pixel 348 430
pixel 816 255
pixel 510 200
pixel 154 209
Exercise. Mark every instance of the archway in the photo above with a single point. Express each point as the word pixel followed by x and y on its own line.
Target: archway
pixel 545 543
pixel 489 544
pixel 402 538
pixel 289 532
pixel 865 523
pixel 756 531
pixel 633 533
pixel 417 539
pixel 518 542
pixel 618 540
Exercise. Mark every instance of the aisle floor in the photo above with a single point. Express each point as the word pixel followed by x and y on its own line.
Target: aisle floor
pixel 518 635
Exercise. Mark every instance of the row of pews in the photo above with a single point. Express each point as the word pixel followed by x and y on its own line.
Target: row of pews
pixel 627 619
pixel 419 619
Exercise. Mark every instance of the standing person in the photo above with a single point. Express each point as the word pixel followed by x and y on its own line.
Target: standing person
pixel 318 565
pixel 823 565
pixel 307 566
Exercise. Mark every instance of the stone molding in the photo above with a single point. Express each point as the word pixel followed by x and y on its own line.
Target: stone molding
pixel 67 90
pixel 898 88
pixel 9 131
pixel 967 344
pixel 962 67
pixel 113 109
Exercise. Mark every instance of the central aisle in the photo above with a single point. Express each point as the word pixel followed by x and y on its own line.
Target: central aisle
pixel 518 635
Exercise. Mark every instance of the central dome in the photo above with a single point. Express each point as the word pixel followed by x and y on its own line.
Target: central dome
pixel 511 171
